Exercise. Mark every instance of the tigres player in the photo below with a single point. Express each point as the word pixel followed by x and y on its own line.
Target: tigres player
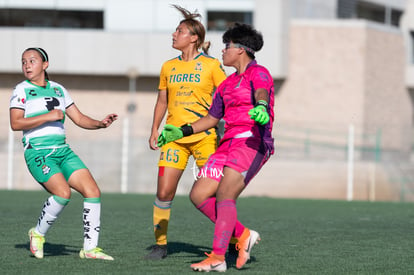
pixel 186 87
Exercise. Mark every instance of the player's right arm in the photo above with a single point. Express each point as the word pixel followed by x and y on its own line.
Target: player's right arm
pixel 172 133
pixel 204 123
pixel 159 112
pixel 18 122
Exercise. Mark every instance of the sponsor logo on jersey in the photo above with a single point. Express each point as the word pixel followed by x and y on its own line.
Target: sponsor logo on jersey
pixel 189 78
pixel 184 93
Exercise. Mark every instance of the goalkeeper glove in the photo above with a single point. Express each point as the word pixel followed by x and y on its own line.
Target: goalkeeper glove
pixel 259 112
pixel 172 133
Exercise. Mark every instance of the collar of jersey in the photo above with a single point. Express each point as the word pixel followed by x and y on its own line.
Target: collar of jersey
pixel 179 57
pixel 252 63
pixel 47 84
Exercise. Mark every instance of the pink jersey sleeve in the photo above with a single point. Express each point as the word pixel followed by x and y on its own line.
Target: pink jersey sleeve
pixel 234 99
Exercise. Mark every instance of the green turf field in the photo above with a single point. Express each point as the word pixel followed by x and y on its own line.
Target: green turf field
pixel 298 236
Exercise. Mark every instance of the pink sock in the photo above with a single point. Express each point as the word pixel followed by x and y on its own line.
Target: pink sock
pixel 225 223
pixel 238 229
pixel 208 208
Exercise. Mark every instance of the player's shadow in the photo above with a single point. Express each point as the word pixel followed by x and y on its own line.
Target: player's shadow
pixel 199 252
pixel 51 249
pixel 231 258
pixel 178 247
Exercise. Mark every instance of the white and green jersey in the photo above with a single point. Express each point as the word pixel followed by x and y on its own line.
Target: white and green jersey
pixel 36 100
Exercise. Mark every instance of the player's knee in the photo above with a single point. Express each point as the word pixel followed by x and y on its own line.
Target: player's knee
pixel 94 193
pixel 64 193
pixel 195 197
pixel 164 195
pixel 191 197
pixel 89 191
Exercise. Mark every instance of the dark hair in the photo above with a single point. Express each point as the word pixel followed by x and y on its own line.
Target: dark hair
pixel 245 35
pixel 43 55
pixel 195 27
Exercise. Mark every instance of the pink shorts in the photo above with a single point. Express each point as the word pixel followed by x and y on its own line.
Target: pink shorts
pixel 245 155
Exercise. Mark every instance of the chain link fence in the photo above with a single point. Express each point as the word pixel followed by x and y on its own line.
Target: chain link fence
pixel 120 159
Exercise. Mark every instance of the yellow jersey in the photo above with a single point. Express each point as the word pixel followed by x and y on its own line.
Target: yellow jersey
pixel 190 86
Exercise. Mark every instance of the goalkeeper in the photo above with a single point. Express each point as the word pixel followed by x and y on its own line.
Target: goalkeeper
pixel 245 101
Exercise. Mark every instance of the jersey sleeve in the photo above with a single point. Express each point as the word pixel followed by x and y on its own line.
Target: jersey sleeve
pixel 218 73
pixel 18 98
pixel 68 99
pixel 163 79
pixel 217 107
pixel 262 79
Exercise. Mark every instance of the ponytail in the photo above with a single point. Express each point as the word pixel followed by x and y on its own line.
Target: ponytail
pixel 206 46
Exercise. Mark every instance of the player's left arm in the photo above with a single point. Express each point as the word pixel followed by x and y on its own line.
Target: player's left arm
pixel 261 94
pixel 259 112
pixel 87 122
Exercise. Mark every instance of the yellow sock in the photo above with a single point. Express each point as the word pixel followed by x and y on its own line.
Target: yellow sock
pixel 161 218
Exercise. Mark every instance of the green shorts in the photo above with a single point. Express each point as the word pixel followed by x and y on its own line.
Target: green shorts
pixel 44 163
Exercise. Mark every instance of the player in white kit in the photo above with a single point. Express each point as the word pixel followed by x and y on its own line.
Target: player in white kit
pixel 38 107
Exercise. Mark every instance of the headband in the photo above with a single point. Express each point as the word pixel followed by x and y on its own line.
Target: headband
pixel 246 48
pixel 42 52
pixel 238 45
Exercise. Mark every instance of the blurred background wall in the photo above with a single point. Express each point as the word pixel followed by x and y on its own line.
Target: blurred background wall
pixel 343 73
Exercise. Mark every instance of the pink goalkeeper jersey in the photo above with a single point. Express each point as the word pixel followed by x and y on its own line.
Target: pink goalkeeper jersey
pixel 235 97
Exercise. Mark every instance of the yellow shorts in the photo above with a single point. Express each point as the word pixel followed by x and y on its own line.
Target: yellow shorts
pixel 176 154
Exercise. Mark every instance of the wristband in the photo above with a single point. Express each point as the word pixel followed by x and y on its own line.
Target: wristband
pixel 187 130
pixel 262 103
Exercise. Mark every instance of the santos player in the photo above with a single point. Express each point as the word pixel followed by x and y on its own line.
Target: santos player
pixel 38 107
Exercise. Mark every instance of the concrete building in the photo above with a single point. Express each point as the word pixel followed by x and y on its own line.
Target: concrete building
pixel 111 37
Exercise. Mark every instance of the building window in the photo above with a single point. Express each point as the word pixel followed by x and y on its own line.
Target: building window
pixel 346 8
pixel 395 17
pixel 371 12
pixel 378 13
pixel 220 20
pixel 51 18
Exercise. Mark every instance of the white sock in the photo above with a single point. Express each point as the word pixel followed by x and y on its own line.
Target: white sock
pixel 91 222
pixel 52 207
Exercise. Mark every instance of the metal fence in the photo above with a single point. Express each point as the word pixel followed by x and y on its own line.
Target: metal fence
pixel 122 161
pixel 119 162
